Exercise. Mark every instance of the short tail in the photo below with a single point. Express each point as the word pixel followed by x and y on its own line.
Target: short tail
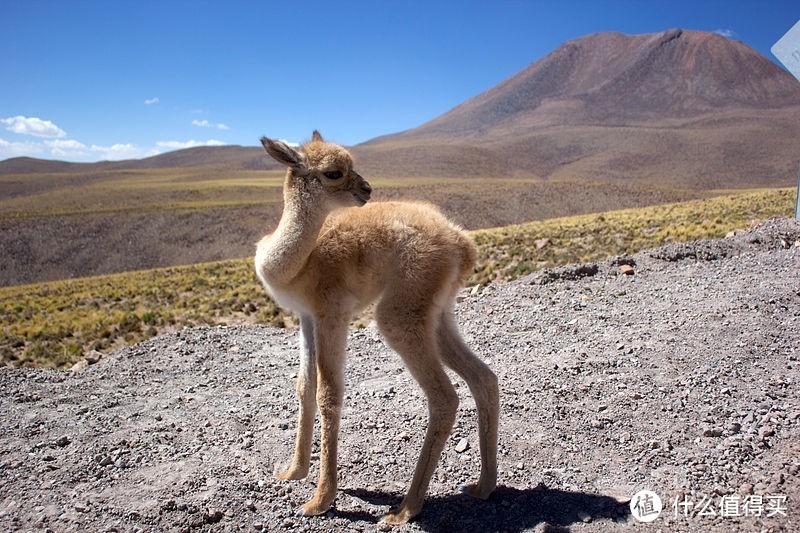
pixel 469 258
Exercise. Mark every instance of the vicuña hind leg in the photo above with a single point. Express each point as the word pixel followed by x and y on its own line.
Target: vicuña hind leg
pixel 306 391
pixel 415 342
pixel 482 384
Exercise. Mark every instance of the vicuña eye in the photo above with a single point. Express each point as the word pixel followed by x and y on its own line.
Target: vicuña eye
pixel 333 175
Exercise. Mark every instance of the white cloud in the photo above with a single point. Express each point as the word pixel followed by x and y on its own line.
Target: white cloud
pixel 177 145
pixel 206 124
pixel 151 101
pixel 725 33
pixel 66 148
pixel 32 126
pixel 18 149
pixel 119 151
pixel 73 150
pixel 290 143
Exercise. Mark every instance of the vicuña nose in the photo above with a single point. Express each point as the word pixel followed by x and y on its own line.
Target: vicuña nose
pixel 366 187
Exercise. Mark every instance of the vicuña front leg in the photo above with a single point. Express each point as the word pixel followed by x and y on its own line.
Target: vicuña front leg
pixel 330 342
pixel 306 391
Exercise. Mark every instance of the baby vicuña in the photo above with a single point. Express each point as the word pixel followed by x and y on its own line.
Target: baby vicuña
pixel 330 257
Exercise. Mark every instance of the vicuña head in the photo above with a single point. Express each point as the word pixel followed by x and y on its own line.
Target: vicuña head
pixel 330 256
pixel 325 170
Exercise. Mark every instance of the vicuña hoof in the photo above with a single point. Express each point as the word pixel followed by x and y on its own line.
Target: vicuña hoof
pixel 398 516
pixel 313 508
pixel 476 491
pixel 291 473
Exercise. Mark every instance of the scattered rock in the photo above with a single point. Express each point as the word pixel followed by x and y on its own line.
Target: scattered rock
pixel 80 366
pixel 712 432
pixel 212 516
pixel 93 357
pixel 766 432
pixel 626 270
pixel 607 387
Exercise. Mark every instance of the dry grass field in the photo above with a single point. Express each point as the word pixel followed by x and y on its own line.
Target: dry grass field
pixel 95 221
pixel 56 324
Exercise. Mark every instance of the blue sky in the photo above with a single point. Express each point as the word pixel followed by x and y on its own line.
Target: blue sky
pixel 86 80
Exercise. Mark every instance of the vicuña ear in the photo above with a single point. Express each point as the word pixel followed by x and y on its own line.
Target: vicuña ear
pixel 317 136
pixel 284 154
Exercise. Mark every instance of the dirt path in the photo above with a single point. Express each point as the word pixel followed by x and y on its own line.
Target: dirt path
pixel 681 378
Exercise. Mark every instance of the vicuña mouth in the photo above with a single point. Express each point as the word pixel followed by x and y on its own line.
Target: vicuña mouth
pixel 361 198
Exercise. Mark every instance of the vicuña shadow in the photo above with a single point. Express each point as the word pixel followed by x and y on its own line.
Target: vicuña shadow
pixel 508 509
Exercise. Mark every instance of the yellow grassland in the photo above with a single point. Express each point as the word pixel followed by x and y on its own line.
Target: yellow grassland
pixel 56 324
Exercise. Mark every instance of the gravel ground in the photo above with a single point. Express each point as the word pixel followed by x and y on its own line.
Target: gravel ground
pixel 680 378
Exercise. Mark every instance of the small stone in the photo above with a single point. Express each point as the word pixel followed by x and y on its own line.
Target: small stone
pixel 765 432
pixel 212 516
pixel 103 460
pixel 93 357
pixel 712 432
pixel 62 441
pixel 462 446
pixel 597 424
pixel 541 243
pixel 626 270
pixel 80 366
pixel 82 507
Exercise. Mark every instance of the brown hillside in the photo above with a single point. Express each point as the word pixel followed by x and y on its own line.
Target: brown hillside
pixel 681 108
pixel 219 157
pixel 612 79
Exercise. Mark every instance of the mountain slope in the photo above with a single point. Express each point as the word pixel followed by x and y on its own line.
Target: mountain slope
pixel 218 157
pixel 677 108
pixel 615 79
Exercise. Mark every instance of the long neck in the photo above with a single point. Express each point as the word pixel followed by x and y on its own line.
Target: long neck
pixel 290 245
